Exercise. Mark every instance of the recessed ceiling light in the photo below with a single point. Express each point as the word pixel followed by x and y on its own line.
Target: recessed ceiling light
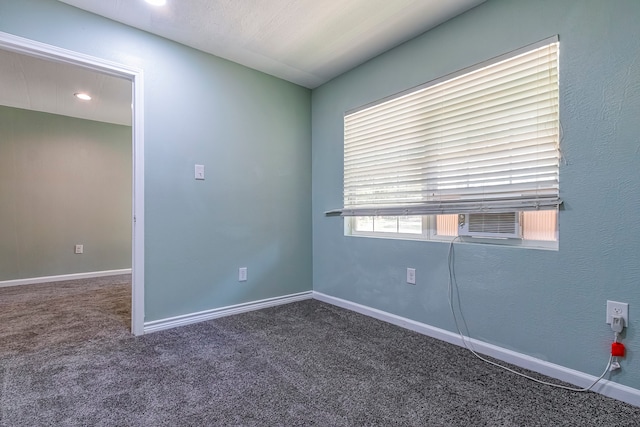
pixel 82 96
pixel 157 2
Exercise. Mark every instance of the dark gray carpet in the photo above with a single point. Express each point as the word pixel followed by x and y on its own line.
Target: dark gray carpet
pixel 67 359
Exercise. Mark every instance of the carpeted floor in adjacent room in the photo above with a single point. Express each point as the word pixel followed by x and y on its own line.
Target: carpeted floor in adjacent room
pixel 67 359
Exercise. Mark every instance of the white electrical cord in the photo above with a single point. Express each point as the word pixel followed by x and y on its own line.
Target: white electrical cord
pixel 453 284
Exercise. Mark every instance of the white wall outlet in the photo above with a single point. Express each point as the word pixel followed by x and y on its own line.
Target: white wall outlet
pixel 242 274
pixel 199 171
pixel 615 308
pixel 411 276
pixel 79 249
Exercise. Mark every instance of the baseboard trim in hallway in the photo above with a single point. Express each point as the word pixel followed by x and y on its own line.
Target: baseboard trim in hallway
pixel 63 277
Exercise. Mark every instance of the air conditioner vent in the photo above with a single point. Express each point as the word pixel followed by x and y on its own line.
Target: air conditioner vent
pixel 504 225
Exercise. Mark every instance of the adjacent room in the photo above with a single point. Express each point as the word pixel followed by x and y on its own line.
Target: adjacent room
pixel 320 213
pixel 67 168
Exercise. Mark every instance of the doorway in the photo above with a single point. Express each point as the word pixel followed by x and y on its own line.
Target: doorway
pixel 34 49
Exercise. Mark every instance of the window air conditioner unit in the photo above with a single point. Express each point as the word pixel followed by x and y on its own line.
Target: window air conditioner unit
pixel 494 225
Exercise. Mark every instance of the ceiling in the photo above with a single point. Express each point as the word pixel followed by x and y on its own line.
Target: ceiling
pixel 40 85
pixel 307 42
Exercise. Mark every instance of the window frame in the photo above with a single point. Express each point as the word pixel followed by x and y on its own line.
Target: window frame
pixel 370 172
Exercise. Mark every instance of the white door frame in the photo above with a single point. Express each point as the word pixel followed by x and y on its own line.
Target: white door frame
pixel 44 51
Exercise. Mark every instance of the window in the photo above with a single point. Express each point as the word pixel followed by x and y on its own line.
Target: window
pixel 475 153
pixel 537 229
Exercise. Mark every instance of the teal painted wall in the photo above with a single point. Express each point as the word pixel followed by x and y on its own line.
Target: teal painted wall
pixel 63 181
pixel 547 304
pixel 250 130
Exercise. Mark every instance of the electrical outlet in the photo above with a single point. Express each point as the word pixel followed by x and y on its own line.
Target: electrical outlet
pixel 79 249
pixel 621 309
pixel 242 274
pixel 411 276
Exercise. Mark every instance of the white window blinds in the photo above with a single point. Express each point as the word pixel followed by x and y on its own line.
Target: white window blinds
pixel 481 141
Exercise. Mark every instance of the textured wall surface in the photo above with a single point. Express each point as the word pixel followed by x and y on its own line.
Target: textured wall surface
pixel 547 304
pixel 250 130
pixel 63 181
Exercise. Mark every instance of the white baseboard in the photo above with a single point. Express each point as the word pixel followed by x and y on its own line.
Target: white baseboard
pixel 63 277
pixel 187 319
pixel 608 388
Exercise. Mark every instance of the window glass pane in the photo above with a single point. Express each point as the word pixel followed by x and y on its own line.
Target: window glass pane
pixel 410 224
pixel 539 228
pixel 540 225
pixel 363 223
pixel 447 225
pixel 386 224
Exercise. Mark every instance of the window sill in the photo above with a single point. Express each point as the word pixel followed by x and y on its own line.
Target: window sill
pixel 509 243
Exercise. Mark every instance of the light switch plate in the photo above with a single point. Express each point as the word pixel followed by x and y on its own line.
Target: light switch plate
pixel 199 172
pixel 242 274
pixel 411 276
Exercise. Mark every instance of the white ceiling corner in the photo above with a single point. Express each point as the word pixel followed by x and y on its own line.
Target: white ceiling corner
pixel 307 42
